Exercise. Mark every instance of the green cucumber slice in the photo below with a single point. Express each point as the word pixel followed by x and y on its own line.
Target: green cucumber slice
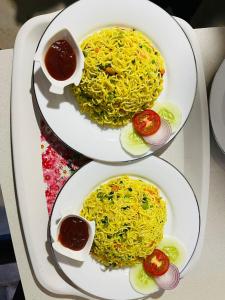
pixel 170 112
pixel 132 142
pixel 141 282
pixel 174 249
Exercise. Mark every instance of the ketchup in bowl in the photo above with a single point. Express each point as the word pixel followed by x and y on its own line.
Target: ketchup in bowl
pixel 60 60
pixel 73 233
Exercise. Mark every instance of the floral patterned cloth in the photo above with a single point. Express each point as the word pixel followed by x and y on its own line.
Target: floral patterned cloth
pixel 59 162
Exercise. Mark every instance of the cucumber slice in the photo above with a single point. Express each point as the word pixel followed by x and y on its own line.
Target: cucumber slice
pixel 141 282
pixel 132 142
pixel 170 112
pixel 174 249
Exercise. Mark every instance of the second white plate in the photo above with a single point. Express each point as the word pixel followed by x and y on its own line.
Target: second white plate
pixel 183 220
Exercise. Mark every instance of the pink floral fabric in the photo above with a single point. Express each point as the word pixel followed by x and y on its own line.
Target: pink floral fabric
pixel 59 162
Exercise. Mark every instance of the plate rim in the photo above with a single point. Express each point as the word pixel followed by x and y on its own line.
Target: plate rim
pixel 50 239
pixel 212 91
pixel 131 159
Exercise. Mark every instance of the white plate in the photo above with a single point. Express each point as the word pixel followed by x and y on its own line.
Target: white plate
pixel 183 220
pixel 217 106
pixel 86 16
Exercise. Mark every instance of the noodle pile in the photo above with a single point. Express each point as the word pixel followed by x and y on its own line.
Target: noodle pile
pixel 129 215
pixel 123 75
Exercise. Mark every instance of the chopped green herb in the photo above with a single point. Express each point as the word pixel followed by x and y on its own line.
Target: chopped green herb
pixel 111 95
pixel 100 66
pixel 127 196
pixel 110 197
pixel 147 48
pixel 100 195
pixel 105 221
pixel 107 65
pixel 123 236
pixel 125 207
pixel 85 53
pixel 103 66
pixel 139 239
pixel 145 204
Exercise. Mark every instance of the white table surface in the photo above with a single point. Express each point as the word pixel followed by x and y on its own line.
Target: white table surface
pixel 207 280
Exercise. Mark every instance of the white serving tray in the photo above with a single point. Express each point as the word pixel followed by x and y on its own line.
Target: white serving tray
pixel 189 152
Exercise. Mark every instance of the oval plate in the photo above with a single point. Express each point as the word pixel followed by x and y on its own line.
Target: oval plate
pixel 85 17
pixel 217 107
pixel 183 220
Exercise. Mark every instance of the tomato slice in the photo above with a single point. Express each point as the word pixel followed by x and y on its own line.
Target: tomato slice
pixel 157 263
pixel 146 122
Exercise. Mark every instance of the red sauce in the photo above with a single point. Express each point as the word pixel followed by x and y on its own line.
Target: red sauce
pixel 73 233
pixel 60 60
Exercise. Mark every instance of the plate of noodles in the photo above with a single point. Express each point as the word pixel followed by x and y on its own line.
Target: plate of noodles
pixel 136 59
pixel 134 207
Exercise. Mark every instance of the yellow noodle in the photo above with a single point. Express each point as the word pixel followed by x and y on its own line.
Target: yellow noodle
pixel 123 75
pixel 129 215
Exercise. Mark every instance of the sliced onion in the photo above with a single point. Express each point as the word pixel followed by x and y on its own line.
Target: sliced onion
pixel 170 279
pixel 161 136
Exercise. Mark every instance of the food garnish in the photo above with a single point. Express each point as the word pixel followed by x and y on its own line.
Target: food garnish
pixel 155 272
pixel 170 279
pixel 132 142
pixel 156 264
pixel 174 249
pixel 161 136
pixel 141 282
pixel 146 122
pixel 170 112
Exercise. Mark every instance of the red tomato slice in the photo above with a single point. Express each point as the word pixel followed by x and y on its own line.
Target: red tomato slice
pixel 157 263
pixel 146 122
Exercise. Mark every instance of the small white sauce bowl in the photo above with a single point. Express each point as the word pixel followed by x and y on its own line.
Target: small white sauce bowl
pixel 80 255
pixel 57 86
